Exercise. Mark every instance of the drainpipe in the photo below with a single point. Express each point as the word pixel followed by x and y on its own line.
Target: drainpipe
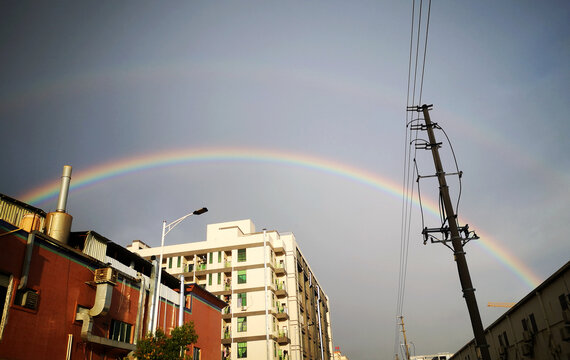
pixel 27 261
pixel 319 314
pixel 140 311
pixel 153 281
pixel 182 303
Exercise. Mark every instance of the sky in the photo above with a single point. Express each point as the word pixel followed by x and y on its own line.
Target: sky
pixel 293 114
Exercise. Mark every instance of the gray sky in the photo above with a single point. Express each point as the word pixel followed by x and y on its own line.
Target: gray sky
pixel 91 83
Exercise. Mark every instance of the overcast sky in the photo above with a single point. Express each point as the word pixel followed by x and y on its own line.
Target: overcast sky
pixel 92 83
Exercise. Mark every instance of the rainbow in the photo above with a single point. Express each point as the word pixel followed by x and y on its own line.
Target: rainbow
pixel 143 162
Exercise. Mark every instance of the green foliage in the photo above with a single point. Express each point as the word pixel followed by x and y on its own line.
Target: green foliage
pixel 163 347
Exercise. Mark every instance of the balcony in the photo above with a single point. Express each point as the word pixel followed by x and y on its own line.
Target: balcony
pixel 281 313
pixel 280 269
pixel 283 337
pixel 227 338
pixel 280 289
pixel 227 312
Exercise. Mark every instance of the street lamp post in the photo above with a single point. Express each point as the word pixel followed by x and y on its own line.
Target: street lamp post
pixel 165 230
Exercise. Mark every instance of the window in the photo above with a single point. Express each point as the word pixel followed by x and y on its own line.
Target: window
pixel 219 257
pixel 211 258
pixel 242 324
pixel 5 294
pixel 120 331
pixel 219 278
pixel 210 279
pixel 179 261
pixel 170 263
pixel 242 277
pixel 242 299
pixel 241 255
pixel 242 350
pixel 533 323
pixel 196 354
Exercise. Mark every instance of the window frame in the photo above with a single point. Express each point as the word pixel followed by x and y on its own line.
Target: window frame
pixel 122 329
pixel 243 297
pixel 242 277
pixel 242 350
pixel 242 324
pixel 242 255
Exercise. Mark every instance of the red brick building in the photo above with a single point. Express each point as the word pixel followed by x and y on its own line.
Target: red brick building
pixel 85 297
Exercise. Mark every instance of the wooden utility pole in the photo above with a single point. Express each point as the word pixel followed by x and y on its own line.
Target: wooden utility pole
pixel 456 241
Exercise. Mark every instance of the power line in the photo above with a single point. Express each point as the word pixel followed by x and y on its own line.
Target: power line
pixel 409 171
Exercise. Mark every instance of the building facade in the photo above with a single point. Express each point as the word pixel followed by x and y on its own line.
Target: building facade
pixel 277 308
pixel 87 297
pixel 537 327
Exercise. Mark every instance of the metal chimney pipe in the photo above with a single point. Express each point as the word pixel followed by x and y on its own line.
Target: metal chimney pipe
pixel 58 223
pixel 64 190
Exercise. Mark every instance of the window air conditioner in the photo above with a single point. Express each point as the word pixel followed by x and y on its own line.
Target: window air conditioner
pixel 105 275
pixel 30 300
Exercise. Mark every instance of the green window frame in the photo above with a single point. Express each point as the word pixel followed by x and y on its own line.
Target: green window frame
pixel 242 277
pixel 242 324
pixel 219 278
pixel 210 279
pixel 241 255
pixel 179 261
pixel 242 298
pixel 211 258
pixel 219 257
pixel 242 350
pixel 170 263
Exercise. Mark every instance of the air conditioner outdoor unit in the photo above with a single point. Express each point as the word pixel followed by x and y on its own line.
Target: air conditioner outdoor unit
pixel 30 300
pixel 105 275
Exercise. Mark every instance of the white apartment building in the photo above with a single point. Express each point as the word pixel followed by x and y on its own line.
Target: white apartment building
pixel 277 308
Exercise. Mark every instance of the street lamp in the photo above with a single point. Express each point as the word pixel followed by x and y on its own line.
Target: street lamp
pixel 165 230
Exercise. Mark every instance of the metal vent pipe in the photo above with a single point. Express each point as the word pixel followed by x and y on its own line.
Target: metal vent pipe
pixel 58 223
pixel 64 190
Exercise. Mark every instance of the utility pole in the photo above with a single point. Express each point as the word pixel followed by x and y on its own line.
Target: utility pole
pixel 405 340
pixel 456 240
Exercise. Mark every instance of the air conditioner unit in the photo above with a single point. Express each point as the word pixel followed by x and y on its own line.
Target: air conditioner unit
pixel 30 300
pixel 565 332
pixel 105 275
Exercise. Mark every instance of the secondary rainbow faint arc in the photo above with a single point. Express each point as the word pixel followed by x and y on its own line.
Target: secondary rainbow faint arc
pixel 128 165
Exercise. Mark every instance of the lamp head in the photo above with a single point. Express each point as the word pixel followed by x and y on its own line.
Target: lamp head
pixel 201 211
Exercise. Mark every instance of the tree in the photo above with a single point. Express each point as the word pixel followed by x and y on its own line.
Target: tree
pixel 163 347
